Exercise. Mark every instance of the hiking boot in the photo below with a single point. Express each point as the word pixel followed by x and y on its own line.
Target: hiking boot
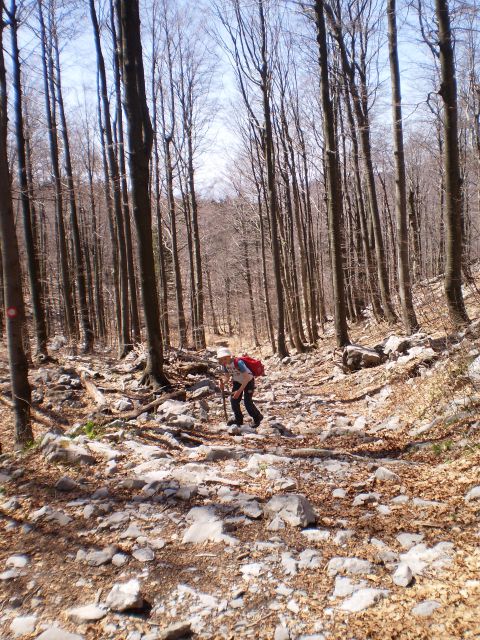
pixel 234 422
pixel 257 421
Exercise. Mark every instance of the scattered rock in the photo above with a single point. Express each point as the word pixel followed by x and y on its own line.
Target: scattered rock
pixel 294 509
pixel 473 494
pixel 385 475
pixel 362 599
pixel 345 587
pixel 60 449
pixel 66 484
pixel 143 555
pixel 403 575
pixel 57 633
pixel 23 625
pixel 176 631
pixel 354 566
pixel 365 498
pixel 409 540
pixel 356 357
pixel 419 557
pixel 47 514
pixel 17 561
pixel 86 613
pixel 124 404
pixel 125 596
pixel 426 608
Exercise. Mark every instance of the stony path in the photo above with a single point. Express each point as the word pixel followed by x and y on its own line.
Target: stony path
pixel 312 527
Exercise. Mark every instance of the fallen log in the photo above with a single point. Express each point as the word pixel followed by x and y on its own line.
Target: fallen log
pixel 336 454
pixel 95 393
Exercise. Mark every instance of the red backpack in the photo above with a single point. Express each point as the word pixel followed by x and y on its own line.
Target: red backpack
pixel 255 366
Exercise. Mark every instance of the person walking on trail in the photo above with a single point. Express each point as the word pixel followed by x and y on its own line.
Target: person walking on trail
pixel 243 384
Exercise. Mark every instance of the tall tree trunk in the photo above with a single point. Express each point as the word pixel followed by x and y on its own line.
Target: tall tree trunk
pixel 66 289
pixel 164 321
pixel 36 286
pixel 409 318
pixel 125 344
pixel 360 105
pixel 140 140
pixel 135 316
pixel 88 336
pixel 13 295
pixel 199 336
pixel 334 196
pixel 271 185
pixel 453 183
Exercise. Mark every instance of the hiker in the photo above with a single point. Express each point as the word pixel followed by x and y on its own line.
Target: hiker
pixel 243 380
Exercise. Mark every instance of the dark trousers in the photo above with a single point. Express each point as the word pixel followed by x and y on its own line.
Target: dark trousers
pixel 247 395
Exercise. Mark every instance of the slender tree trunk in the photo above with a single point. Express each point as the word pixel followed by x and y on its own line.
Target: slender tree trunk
pixel 66 289
pixel 88 336
pixel 409 318
pixel 453 183
pixel 140 140
pixel 334 196
pixel 36 288
pixel 271 185
pixel 158 210
pixel 135 316
pixel 13 295
pixel 125 344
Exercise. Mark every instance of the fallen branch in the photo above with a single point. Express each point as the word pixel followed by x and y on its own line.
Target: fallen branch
pixel 95 393
pixel 336 454
pixel 180 394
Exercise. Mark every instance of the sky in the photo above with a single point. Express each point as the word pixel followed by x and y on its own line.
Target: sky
pixel 215 164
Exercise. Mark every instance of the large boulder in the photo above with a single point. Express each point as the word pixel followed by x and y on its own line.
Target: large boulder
pixel 60 449
pixel 396 345
pixel 292 508
pixel 356 357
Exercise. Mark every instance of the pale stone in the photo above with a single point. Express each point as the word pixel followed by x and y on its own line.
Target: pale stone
pixel 294 509
pixel 86 613
pixel 23 625
pixel 362 599
pixel 124 596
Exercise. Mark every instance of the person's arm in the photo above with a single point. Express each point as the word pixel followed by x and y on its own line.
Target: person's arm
pixel 246 377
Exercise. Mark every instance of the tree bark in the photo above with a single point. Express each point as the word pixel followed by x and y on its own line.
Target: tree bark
pixel 66 289
pixel 409 318
pixel 271 185
pixel 125 339
pixel 13 295
pixel 36 286
pixel 140 140
pixel 453 182
pixel 334 195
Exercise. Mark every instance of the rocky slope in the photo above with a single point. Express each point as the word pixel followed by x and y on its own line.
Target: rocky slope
pixel 351 512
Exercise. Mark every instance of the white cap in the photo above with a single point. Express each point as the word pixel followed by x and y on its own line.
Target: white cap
pixel 223 352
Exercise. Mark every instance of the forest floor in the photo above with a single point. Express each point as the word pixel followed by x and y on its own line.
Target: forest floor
pixel 352 512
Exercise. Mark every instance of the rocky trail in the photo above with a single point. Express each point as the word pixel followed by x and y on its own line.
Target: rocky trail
pixel 352 512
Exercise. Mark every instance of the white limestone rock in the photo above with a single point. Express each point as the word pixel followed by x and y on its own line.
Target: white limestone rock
pixel 125 596
pixel 294 509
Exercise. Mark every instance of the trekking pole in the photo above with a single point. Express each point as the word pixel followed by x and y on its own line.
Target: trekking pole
pixel 222 389
pixel 224 405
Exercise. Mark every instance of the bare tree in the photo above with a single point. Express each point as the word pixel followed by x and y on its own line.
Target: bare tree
pixel 12 284
pixel 405 290
pixel 140 140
